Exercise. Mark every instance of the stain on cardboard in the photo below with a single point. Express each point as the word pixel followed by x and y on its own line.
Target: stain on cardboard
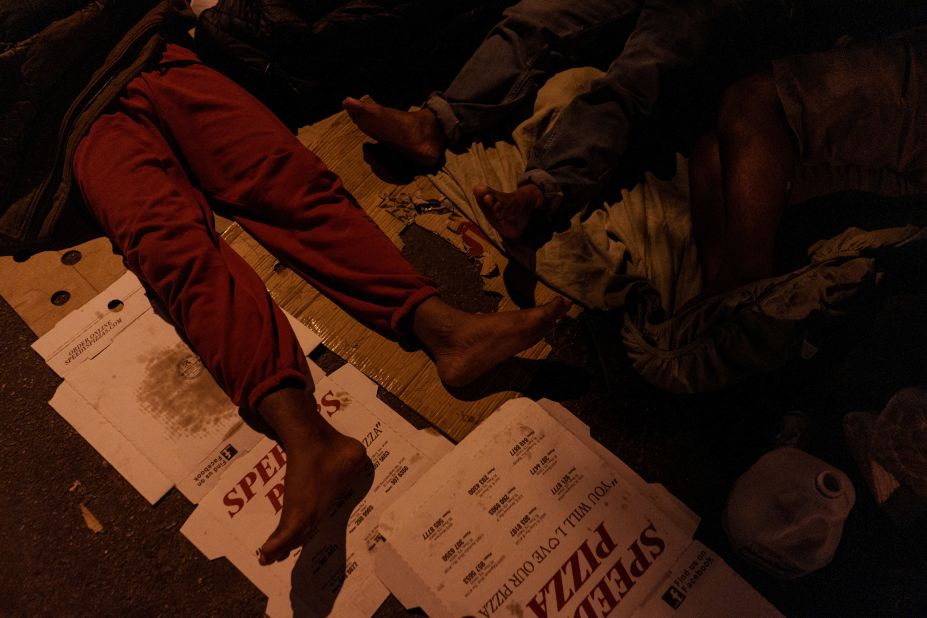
pixel 179 392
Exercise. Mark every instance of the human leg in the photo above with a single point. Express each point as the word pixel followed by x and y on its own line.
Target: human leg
pixel 857 106
pixel 747 178
pixel 503 75
pixel 140 195
pixel 319 462
pixel 415 135
pixel 706 198
pixel 576 157
pixel 139 192
pixel 584 149
pixel 510 212
pixel 244 158
pixel 466 345
pixel 283 194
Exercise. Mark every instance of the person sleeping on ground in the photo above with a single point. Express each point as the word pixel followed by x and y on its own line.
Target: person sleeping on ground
pixel 149 141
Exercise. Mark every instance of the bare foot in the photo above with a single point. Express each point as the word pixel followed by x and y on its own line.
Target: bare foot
pixel 417 135
pixel 467 345
pixel 320 465
pixel 509 213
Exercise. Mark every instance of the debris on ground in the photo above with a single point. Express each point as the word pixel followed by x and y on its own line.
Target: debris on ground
pixel 439 217
pixel 93 524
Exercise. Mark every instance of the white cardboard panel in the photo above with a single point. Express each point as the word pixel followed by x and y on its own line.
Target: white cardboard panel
pixel 137 469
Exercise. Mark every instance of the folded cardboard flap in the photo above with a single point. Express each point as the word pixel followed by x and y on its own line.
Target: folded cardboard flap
pixel 87 331
pixel 403 582
pixel 125 458
pixel 157 393
pixel 206 533
pixel 213 539
pixel 702 584
pixel 429 441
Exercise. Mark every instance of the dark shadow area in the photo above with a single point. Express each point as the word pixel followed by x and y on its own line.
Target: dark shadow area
pixel 565 374
pixel 302 59
pixel 74 228
pixel 323 564
pixel 521 283
pixel 558 381
pixel 827 216
pixel 390 166
pixel 508 375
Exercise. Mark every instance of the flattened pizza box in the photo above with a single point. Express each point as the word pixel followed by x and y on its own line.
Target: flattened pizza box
pixel 527 516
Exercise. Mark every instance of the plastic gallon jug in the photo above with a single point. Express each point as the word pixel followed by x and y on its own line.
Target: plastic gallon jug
pixel 785 514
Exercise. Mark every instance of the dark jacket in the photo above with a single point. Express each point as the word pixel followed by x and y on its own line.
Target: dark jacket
pixel 302 57
pixel 61 63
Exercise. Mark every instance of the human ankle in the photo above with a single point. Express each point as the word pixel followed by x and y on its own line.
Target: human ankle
pixel 431 127
pixel 291 413
pixel 534 196
pixel 433 321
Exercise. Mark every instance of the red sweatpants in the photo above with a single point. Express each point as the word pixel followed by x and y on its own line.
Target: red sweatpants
pixel 182 137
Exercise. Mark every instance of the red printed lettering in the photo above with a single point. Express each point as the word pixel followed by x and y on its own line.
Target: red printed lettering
pixel 264 470
pixel 652 541
pixel 233 501
pixel 275 495
pixel 328 400
pixel 245 483
pixel 279 456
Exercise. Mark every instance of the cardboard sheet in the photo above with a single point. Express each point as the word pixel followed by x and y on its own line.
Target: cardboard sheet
pixel 525 517
pixel 89 330
pixel 702 584
pixel 141 397
pixel 157 393
pixel 30 285
pixel 127 460
pixel 497 523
